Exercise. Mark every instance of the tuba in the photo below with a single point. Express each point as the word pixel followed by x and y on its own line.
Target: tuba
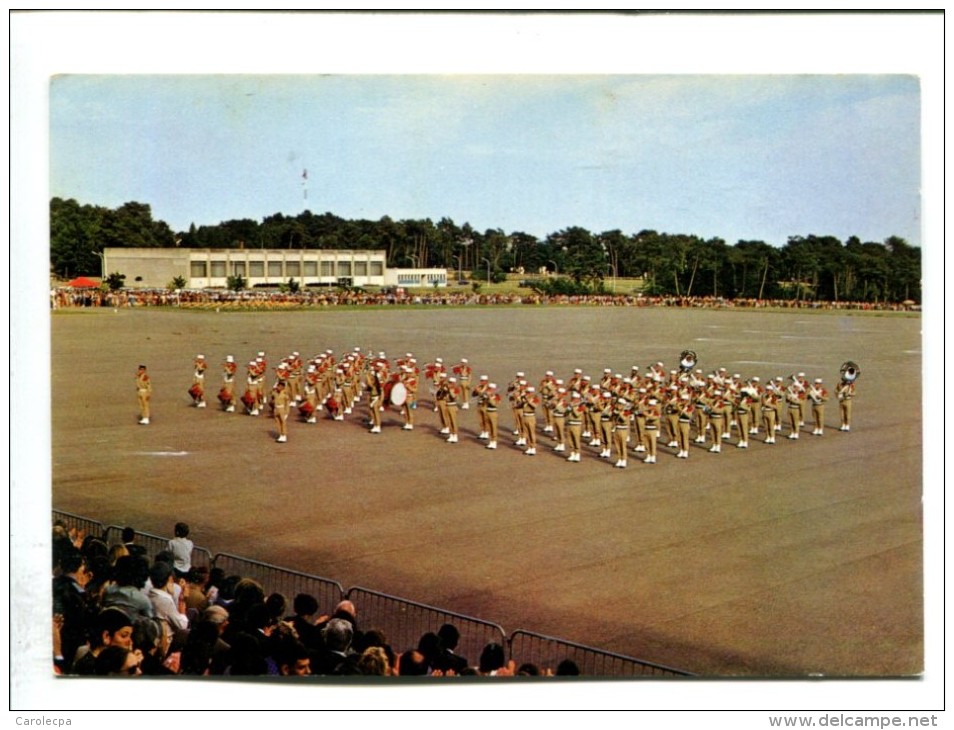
pixel 849 372
pixel 687 360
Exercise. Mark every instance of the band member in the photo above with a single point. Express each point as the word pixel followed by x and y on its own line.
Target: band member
pixel 197 391
pixel 802 405
pixel 409 378
pixel 818 396
pixel 755 391
pixel 606 419
pixel 794 397
pixel 780 402
pixel 671 414
pixel 652 414
pixel 227 392
pixel 375 386
pixel 514 395
pixel 143 394
pixel 310 404
pixel 637 424
pixel 261 370
pixel 846 393
pixel 435 372
pixel 621 418
pixel 480 393
pixel 574 425
pixel 701 411
pixel 440 403
pixel 464 372
pixel 546 392
pixel 280 403
pixel 717 422
pixel 559 408
pixel 744 405
pixel 252 397
pixel 770 400
pixel 686 414
pixel 493 405
pixel 529 409
pixel 452 404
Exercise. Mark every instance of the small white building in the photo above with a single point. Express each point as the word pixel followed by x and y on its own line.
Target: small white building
pixel 416 278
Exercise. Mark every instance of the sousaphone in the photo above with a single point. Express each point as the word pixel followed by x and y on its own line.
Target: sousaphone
pixel 687 361
pixel 849 372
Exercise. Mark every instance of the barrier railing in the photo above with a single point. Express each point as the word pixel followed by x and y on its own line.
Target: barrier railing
pixel 289 583
pixel 547 652
pixel 403 622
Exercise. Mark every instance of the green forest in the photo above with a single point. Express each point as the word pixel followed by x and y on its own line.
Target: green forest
pixel 811 267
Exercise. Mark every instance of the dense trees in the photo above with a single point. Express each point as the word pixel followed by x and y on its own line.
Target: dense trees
pixel 806 267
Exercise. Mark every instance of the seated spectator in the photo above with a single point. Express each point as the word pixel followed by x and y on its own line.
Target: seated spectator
pixel 69 601
pixel 129 540
pixel 493 663
pixel 567 668
pixel 152 637
pixel 161 596
pixel 117 661
pixel 373 662
pixel 448 661
pixel 306 610
pixel 221 656
pixel 196 598
pixel 336 636
pixel 411 664
pixel 128 589
pixel 429 645
pixel 294 659
pixel 112 627
pixel 199 647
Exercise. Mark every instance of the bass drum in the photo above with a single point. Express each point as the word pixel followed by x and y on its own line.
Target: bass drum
pixel 398 395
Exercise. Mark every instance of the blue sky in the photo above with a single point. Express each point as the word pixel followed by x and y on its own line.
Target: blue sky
pixel 741 157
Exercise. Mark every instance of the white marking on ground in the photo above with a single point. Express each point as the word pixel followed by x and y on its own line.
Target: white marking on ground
pixel 162 453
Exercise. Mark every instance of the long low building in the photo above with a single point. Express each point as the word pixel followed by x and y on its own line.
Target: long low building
pixel 155 268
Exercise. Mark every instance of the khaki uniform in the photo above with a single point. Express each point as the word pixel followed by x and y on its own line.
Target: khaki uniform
pixel 846 393
pixel 493 406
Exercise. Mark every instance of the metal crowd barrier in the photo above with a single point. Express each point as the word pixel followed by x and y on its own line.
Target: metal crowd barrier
pixel 546 652
pixel 289 583
pixel 403 622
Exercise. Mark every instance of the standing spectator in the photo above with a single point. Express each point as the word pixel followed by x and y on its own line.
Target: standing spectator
pixel 181 548
pixel 144 394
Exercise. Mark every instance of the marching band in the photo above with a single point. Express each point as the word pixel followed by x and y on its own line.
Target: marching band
pixel 616 416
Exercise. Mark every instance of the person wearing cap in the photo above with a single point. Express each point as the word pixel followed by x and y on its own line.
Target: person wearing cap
pixel 227 391
pixel 742 404
pixel 803 383
pixel 310 405
pixel 769 406
pixel 440 403
pixel 794 397
pixel 607 409
pixel 408 377
pixel 651 415
pixel 464 372
pixel 280 403
pixel 755 390
pixel 818 395
pixel 559 408
pixel 684 422
pixel 197 391
pixel 717 424
pixel 574 425
pixel 452 404
pixel 546 391
pixel 670 409
pixel 375 384
pixel 529 410
pixel 479 392
pixel 845 395
pixel 143 394
pixel 780 402
pixel 515 395
pixel 493 405
pixel 622 415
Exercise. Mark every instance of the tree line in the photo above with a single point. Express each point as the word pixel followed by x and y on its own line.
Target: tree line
pixel 812 267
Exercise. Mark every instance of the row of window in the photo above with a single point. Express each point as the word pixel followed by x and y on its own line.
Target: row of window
pixel 415 279
pixel 285 269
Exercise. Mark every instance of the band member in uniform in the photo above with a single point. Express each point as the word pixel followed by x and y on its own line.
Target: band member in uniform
pixel 770 399
pixel 686 409
pixel 375 384
pixel 652 414
pixel 818 396
pixel 671 414
pixel 780 402
pixel 480 393
pixel 546 392
pixel 717 422
pixel 143 394
pixel 515 394
pixel 803 384
pixel 197 391
pixel 464 372
pixel 409 379
pixel 311 404
pixel 744 415
pixel 493 404
pixel 529 409
pixel 846 393
pixel 559 408
pixel 227 391
pixel 440 402
pixel 794 397
pixel 452 404
pixel 621 419
pixel 574 425
pixel 251 397
pixel 606 419
pixel 280 403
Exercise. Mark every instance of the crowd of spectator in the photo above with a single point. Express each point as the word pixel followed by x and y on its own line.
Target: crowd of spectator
pixel 261 299
pixel 118 613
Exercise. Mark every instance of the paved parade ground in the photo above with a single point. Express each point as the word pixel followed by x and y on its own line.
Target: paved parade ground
pixel 794 559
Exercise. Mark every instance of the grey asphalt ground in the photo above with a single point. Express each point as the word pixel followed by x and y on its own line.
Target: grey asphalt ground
pixel 802 558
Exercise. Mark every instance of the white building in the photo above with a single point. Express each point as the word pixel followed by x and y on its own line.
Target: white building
pixel 155 268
